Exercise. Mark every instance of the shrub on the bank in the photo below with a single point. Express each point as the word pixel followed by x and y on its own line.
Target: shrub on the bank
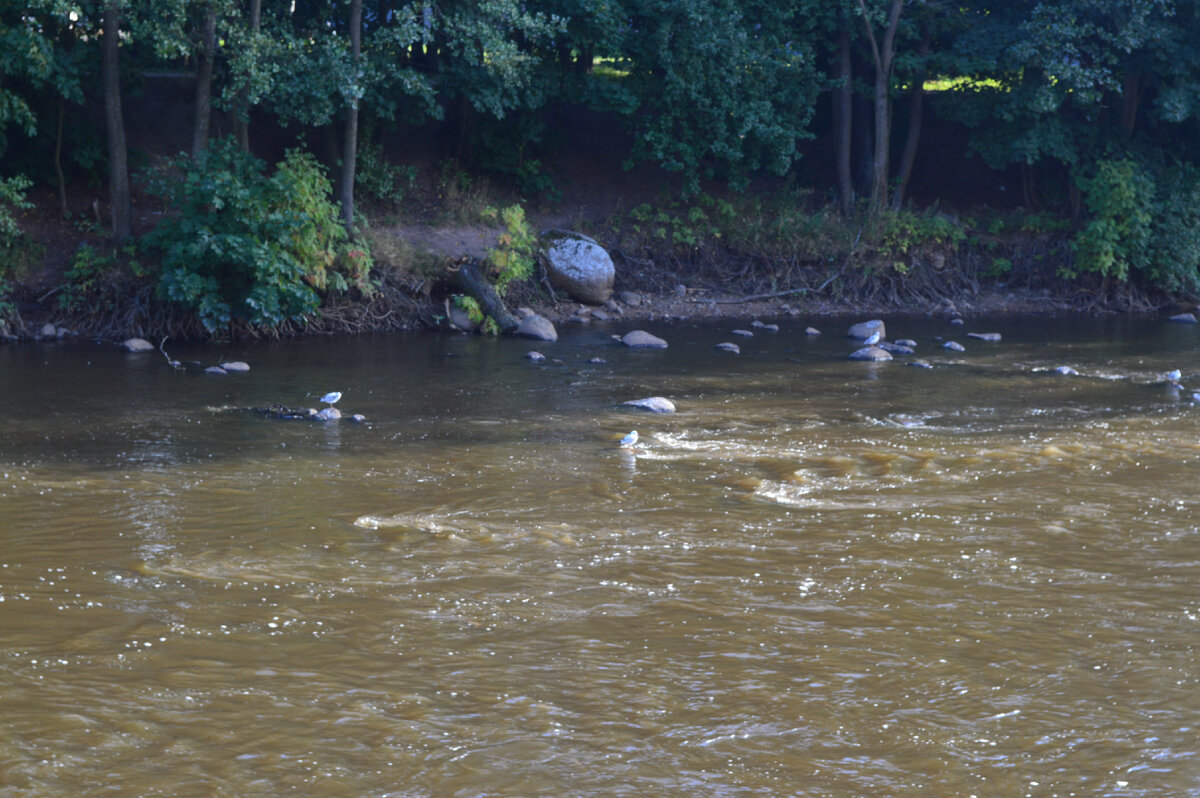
pixel 245 246
pixel 1145 223
pixel 14 245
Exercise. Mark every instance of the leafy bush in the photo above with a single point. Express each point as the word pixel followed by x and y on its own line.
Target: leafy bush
pixel 514 258
pixel 1145 223
pixel 15 246
pixel 378 179
pixel 252 247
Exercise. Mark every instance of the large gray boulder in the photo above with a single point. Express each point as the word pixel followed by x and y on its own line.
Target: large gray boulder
pixel 578 265
pixel 640 339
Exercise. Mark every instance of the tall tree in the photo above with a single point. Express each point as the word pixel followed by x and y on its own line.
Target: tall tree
pixel 206 55
pixel 883 55
pixel 118 155
pixel 354 93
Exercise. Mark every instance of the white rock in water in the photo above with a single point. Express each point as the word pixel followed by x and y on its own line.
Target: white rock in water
pixel 954 346
pixel 653 404
pixel 538 327
pixel 728 346
pixel 137 345
pixel 329 414
pixel 236 365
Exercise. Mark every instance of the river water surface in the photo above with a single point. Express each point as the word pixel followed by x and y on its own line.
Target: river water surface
pixel 817 578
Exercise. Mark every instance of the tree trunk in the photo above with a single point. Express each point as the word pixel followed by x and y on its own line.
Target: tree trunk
pixel 471 280
pixel 204 75
pixel 915 115
pixel 350 144
pixel 843 114
pixel 883 54
pixel 241 120
pixel 58 171
pixel 118 156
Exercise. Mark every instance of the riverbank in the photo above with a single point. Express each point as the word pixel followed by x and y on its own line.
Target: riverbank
pixel 672 263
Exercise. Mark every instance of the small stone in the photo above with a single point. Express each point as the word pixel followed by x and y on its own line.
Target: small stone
pixel 771 327
pixel 954 346
pixel 358 417
pixel 597 361
pixel 652 404
pixel 329 414
pixel 896 349
pixel 1183 318
pixel 640 339
pixel 957 322
pixel 215 370
pixel 811 331
pixel 236 365
pixel 631 299
pixel 726 346
pixel 744 333
pixel 49 330
pixel 989 336
pixel 910 343
pixel 600 315
pixel 757 324
pixel 536 357
pixel 137 345
pixel 871 353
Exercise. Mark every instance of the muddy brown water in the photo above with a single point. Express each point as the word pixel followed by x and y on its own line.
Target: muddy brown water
pixel 817 578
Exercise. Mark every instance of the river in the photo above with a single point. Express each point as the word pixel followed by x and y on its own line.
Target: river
pixel 817 578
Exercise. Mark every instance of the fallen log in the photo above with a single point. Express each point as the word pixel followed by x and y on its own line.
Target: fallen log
pixel 467 276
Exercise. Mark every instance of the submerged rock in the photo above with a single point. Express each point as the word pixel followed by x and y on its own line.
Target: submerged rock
pixel 920 364
pixel 727 346
pixel 871 353
pixel 236 365
pixel 988 336
pixel 137 345
pixel 954 346
pixel 640 339
pixel 652 404
pixel 535 356
pixel 744 333
pixel 811 331
pixel 896 348
pixel 910 343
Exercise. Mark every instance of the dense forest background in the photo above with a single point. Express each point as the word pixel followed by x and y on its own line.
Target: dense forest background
pixel 1081 116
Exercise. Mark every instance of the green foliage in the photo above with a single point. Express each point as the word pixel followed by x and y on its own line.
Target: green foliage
pixel 251 247
pixel 97 276
pixel 381 180
pixel 684 226
pixel 902 231
pixel 1117 240
pixel 15 246
pixel 515 256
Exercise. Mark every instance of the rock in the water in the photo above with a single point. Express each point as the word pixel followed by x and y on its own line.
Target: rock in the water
pixel 137 345
pixel 535 356
pixel 992 336
pixel 921 364
pixel 358 417
pixel 329 414
pixel 957 322
pixel 236 365
pixel 215 370
pixel 896 349
pixel 49 330
pixel 578 265
pixel 954 346
pixel 1066 371
pixel 640 339
pixel 744 333
pixel 865 329
pixel 811 331
pixel 771 327
pixel 726 346
pixel 756 324
pixel 910 343
pixel 1183 318
pixel 600 315
pixel 652 404
pixel 538 327
pixel 631 299
pixel 597 361
pixel 871 353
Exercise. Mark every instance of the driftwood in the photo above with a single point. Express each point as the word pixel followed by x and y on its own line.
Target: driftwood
pixel 467 276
